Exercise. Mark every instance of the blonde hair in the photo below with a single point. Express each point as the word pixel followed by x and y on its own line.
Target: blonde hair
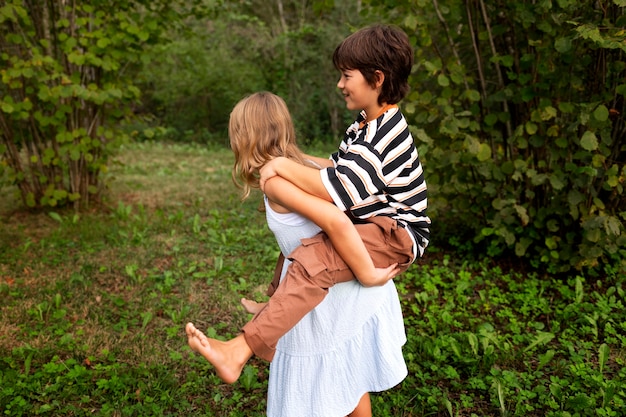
pixel 260 128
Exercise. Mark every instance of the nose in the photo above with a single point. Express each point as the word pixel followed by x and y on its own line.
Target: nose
pixel 340 82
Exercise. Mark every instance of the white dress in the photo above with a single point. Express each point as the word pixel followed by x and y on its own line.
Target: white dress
pixel 348 345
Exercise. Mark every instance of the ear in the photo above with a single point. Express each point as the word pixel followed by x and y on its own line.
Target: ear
pixel 380 78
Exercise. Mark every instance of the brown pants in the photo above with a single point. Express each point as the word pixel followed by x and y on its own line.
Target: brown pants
pixel 315 267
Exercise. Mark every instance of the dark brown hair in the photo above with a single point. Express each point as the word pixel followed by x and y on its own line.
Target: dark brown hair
pixel 378 48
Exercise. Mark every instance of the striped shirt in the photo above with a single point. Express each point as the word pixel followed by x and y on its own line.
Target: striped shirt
pixel 377 172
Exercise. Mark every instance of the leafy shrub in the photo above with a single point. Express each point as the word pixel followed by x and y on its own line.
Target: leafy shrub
pixel 520 112
pixel 65 86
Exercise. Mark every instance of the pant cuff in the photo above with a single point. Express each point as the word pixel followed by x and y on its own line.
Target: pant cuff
pixel 256 343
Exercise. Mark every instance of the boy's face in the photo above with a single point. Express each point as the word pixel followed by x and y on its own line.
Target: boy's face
pixel 358 93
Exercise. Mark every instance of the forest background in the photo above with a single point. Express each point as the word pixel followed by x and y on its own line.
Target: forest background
pixel 517 109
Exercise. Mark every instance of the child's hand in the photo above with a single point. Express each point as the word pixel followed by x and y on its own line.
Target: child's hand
pixel 267 171
pixel 380 276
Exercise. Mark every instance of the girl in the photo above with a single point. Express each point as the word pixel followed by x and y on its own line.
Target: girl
pixel 351 343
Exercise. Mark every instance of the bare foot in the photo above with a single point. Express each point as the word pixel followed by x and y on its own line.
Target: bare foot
pixel 228 358
pixel 252 307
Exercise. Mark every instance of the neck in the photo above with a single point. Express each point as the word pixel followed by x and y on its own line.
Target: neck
pixel 376 113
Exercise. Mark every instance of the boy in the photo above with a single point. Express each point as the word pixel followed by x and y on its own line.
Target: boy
pixel 375 175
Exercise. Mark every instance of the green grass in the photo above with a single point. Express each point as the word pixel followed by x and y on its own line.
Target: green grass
pixel 93 307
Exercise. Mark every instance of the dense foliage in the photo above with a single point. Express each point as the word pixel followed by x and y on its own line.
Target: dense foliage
pixel 67 84
pixel 520 110
pixel 284 47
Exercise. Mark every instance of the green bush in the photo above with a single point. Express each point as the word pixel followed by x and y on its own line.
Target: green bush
pixel 66 85
pixel 192 83
pixel 519 110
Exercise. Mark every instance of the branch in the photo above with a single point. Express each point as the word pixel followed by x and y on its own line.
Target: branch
pixel 450 41
pixel 479 64
pixel 505 103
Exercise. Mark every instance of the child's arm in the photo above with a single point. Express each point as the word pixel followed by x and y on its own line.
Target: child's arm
pixel 322 162
pixel 303 177
pixel 339 228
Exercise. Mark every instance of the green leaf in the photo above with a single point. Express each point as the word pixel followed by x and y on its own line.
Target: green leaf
pixel 149 133
pixel 551 242
pixel 556 182
pixel 473 341
pixel 603 356
pixel 593 235
pixel 473 95
pixel 580 291
pixel 484 152
pixel 508 61
pixel 7 107
pixel 521 247
pixel 563 45
pixel 575 197
pixel 567 107
pixel 589 141
pixel 491 119
pixel 70 44
pixel 74 154
pixel 55 216
pixel 143 35
pixel 601 113
pixel 552 225
pixel 542 338
pixel 612 226
pixel 580 402
pixel 59 194
pixel 556 391
pixel 522 213
pixel 531 128
pixel 548 113
pixel 507 167
pixel 487 231
pixel 545 358
pixel 103 42
pixel 410 21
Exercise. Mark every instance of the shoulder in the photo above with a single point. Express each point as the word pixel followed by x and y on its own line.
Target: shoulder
pixel 395 117
pixel 391 126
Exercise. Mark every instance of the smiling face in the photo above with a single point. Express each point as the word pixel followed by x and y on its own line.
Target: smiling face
pixel 381 53
pixel 358 93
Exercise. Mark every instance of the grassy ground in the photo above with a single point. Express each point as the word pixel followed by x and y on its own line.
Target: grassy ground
pixel 93 305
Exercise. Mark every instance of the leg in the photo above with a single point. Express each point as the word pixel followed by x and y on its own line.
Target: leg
pixel 315 267
pixel 228 358
pixel 364 408
pixel 293 299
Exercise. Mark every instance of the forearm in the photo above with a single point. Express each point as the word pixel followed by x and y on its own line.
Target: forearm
pixel 350 247
pixel 306 178
pixel 322 162
pixel 340 230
